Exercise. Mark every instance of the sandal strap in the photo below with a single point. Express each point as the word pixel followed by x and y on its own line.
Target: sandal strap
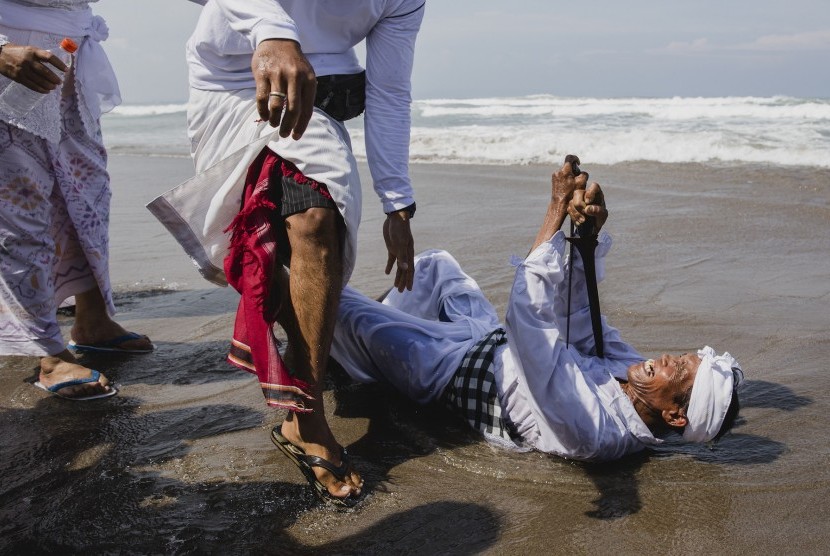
pixel 339 471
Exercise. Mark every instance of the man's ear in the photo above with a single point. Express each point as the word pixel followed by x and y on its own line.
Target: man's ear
pixel 675 417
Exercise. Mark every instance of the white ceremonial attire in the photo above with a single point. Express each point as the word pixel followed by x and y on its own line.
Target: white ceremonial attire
pixel 402 341
pixel 559 399
pixel 223 123
pixel 44 23
pixel 54 185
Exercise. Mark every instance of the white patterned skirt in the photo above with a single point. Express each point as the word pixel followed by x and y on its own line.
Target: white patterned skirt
pixel 54 220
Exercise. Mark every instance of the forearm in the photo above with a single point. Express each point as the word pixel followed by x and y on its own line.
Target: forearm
pixel 387 154
pixel 552 222
pixel 390 54
pixel 387 128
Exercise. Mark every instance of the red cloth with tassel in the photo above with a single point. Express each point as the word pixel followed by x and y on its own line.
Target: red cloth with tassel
pixel 249 268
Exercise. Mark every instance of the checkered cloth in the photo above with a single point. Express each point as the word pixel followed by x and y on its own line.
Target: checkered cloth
pixel 472 392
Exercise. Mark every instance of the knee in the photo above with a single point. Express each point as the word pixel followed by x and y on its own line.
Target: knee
pixel 318 226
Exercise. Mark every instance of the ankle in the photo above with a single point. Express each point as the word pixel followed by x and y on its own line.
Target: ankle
pixel 309 428
pixel 50 363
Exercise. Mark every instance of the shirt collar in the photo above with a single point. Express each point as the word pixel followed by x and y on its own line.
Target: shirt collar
pixel 630 417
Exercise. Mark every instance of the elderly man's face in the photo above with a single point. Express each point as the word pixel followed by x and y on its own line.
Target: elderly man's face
pixel 659 382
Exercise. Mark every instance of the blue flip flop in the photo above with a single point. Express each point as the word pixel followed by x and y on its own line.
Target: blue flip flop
pixel 110 346
pixel 74 382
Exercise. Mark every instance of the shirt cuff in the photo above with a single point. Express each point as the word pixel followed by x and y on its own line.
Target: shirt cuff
pixel 397 204
pixel 555 245
pixel 265 30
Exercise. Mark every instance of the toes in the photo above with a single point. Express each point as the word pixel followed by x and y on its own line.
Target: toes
pixel 342 489
pixel 81 390
pixel 87 389
pixel 339 489
pixel 138 343
pixel 355 480
pixel 141 341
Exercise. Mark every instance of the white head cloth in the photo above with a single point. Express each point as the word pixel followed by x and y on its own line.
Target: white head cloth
pixel 711 394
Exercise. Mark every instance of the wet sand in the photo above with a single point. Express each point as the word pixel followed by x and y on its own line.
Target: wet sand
pixel 180 461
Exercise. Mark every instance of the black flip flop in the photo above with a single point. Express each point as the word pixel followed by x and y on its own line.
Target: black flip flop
pixel 306 462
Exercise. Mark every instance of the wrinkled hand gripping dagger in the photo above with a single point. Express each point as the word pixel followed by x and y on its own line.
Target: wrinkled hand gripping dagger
pixel 585 241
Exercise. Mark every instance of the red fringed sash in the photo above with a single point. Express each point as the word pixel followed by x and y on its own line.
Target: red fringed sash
pixel 249 268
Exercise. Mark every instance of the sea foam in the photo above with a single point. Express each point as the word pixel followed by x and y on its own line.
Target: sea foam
pixel 543 128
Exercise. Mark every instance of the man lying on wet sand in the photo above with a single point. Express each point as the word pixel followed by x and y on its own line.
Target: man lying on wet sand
pixel 520 384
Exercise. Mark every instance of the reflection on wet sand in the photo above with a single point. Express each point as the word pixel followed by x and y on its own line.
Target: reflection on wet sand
pixel 181 462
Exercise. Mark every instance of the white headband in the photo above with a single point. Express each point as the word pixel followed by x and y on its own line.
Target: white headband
pixel 711 394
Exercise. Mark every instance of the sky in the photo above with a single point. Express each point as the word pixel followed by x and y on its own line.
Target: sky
pixel 488 48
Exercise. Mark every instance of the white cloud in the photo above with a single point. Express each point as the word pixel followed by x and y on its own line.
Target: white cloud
pixel 695 46
pixel 810 40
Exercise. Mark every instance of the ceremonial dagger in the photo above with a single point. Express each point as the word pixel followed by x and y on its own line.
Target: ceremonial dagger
pixel 584 238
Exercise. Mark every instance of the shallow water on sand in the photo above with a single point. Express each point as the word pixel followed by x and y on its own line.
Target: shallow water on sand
pixel 180 461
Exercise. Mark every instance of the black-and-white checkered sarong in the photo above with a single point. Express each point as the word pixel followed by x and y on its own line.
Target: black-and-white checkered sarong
pixel 472 392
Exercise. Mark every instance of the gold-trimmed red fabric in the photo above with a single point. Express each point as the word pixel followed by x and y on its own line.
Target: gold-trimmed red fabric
pixel 249 267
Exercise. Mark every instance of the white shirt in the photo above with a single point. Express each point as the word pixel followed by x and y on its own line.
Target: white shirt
pixel 560 399
pixel 219 57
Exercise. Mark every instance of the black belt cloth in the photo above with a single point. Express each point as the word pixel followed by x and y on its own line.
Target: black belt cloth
pixel 342 96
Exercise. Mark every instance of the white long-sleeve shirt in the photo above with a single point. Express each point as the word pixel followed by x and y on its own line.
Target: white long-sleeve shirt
pixel 560 399
pixel 219 58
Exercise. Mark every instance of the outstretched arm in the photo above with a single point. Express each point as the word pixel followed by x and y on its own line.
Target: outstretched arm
pixel 390 56
pixel 569 197
pixel 564 182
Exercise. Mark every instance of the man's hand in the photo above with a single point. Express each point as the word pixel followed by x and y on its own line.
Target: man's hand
pixel 401 248
pixel 566 180
pixel 279 66
pixel 27 66
pixel 588 203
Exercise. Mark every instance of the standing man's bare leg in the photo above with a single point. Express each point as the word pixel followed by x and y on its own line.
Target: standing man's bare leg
pixel 315 283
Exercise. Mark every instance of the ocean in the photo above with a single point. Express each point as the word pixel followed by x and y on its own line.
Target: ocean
pixel 541 129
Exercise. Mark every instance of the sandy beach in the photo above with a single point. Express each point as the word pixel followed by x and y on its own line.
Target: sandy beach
pixel 180 462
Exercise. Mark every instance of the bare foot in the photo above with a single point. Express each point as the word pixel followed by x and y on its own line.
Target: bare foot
pixel 93 324
pixel 63 367
pixel 313 435
pixel 104 330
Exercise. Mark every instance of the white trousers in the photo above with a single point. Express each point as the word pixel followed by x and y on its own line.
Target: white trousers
pixel 414 340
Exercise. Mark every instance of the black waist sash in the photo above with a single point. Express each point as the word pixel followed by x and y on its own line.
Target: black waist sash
pixel 341 96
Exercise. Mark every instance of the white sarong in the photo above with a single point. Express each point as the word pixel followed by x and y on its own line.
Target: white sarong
pixel 54 220
pixel 227 135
